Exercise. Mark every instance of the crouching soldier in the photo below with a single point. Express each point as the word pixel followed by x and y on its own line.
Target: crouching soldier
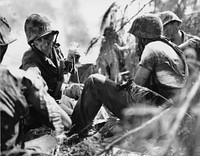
pixel 45 58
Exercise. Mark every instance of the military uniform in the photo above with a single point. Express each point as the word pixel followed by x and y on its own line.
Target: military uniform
pixel 18 92
pixel 46 59
pixel 99 90
pixel 168 18
pixel 51 69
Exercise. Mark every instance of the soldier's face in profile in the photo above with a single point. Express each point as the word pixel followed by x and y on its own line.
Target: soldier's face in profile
pixel 139 46
pixel 170 30
pixel 3 49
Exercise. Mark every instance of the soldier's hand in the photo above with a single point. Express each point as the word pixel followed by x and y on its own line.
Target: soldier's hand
pixel 125 86
pixel 116 46
pixel 73 50
pixel 74 90
pixel 194 42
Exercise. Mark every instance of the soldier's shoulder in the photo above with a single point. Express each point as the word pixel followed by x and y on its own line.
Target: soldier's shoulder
pixel 10 70
pixel 29 54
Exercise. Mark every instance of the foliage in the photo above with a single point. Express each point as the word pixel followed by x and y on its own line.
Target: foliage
pixel 139 139
pixel 64 14
pixel 191 24
pixel 185 10
pixel 179 7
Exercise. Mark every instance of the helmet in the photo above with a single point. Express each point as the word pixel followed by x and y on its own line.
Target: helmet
pixel 36 26
pixel 5 32
pixel 108 31
pixel 147 26
pixel 168 16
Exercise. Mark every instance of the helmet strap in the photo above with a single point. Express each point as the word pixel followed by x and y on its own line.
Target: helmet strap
pixel 55 40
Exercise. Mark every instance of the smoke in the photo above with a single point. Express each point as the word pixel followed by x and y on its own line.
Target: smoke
pixel 65 15
pixel 75 27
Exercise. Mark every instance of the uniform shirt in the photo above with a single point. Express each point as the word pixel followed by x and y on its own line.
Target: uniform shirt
pixel 52 70
pixel 18 91
pixel 166 66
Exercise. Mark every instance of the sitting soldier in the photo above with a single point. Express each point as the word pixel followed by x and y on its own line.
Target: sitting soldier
pixel 161 75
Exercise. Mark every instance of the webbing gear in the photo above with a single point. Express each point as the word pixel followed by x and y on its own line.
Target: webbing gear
pixel 179 52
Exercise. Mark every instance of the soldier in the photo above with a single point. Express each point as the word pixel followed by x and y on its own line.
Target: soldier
pixel 192 43
pixel 18 91
pixel 108 61
pixel 171 27
pixel 45 57
pixel 162 68
pixel 191 49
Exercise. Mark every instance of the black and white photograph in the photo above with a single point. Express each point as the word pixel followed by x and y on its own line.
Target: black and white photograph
pixel 100 77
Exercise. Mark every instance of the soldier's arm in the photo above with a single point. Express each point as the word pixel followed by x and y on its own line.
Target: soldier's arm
pixel 72 57
pixel 36 94
pixel 142 76
pixel 146 65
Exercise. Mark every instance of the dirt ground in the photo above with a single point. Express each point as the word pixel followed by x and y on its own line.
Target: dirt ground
pixel 97 143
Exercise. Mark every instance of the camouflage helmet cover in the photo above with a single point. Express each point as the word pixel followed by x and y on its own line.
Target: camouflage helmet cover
pixel 5 32
pixel 147 26
pixel 38 25
pixel 168 16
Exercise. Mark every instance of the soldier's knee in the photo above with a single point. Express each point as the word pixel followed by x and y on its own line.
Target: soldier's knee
pixel 95 79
